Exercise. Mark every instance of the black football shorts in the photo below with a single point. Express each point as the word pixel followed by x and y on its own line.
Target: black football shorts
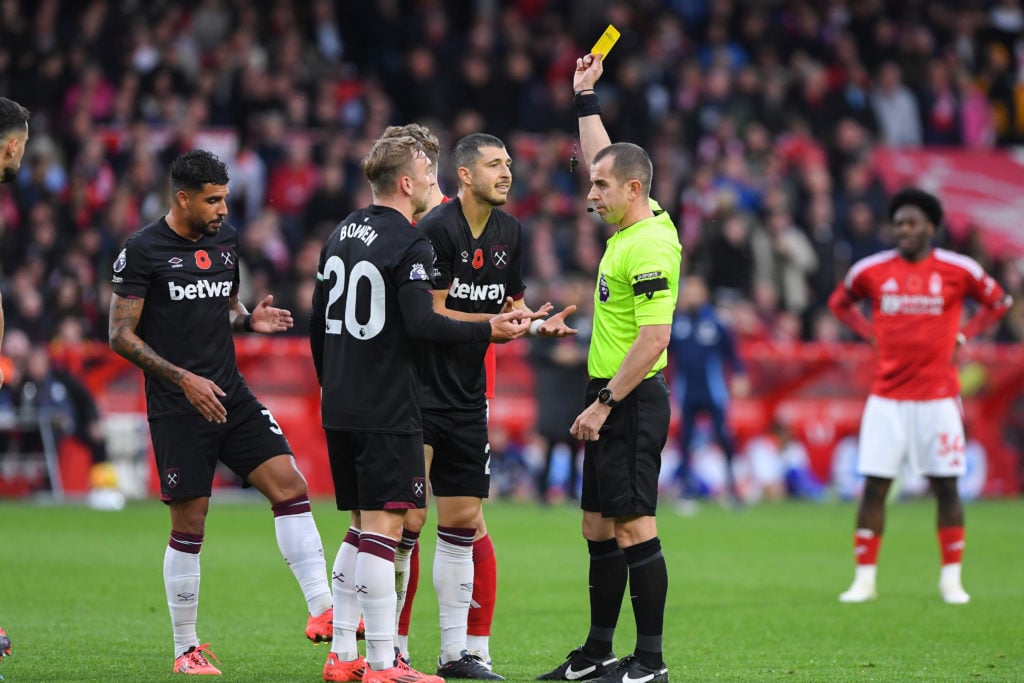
pixel 620 470
pixel 187 448
pixel 462 453
pixel 377 471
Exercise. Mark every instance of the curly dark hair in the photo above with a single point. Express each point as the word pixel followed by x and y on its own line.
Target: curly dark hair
pixel 195 168
pixel 912 196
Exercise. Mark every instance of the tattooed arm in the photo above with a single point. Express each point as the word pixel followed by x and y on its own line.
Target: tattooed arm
pixel 200 392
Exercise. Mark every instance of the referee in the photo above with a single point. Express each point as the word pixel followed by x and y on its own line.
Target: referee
pixel 625 423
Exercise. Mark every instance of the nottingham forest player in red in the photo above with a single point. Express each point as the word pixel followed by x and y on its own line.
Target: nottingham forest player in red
pixel 913 414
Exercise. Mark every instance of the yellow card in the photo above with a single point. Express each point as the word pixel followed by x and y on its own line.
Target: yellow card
pixel 605 43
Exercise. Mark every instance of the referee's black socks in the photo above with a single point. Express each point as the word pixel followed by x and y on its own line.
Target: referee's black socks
pixel 607 586
pixel 648 586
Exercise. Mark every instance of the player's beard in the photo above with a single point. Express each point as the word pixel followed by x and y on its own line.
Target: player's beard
pixel 205 228
pixel 9 174
pixel 491 195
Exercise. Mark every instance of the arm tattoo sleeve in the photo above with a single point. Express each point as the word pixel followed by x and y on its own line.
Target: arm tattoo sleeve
pixel 124 319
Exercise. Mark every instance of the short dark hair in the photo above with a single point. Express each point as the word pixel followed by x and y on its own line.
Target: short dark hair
pixel 912 196
pixel 13 116
pixel 629 162
pixel 195 168
pixel 468 148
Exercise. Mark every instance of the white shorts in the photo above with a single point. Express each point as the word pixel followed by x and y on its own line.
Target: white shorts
pixel 927 435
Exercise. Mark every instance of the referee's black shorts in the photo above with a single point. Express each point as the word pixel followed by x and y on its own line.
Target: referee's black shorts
pixel 620 470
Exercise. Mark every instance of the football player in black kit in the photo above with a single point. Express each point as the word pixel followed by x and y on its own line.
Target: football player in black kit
pixel 371 303
pixel 477 273
pixel 173 311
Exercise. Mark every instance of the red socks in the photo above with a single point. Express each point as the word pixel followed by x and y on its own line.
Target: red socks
pixel 951 544
pixel 410 592
pixel 485 588
pixel 865 546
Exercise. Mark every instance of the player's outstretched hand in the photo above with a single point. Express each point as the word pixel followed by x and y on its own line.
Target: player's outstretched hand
pixel 507 326
pixel 203 393
pixel 541 312
pixel 588 70
pixel 555 325
pixel 268 320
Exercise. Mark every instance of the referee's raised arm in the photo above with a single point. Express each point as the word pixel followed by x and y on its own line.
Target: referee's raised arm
pixel 593 136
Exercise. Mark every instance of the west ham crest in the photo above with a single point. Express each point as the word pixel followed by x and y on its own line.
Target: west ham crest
pixel 499 255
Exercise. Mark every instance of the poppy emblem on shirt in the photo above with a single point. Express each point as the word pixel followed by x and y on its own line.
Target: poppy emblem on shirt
pixel 499 255
pixel 478 259
pixel 203 260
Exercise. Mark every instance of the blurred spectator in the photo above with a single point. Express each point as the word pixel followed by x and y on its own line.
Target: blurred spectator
pixel 896 109
pixel 729 257
pixel 45 398
pixel 704 364
pixel 941 107
pixel 292 183
pixel 861 237
pixel 560 382
pixel 784 256
pixel 329 203
pixel 780 467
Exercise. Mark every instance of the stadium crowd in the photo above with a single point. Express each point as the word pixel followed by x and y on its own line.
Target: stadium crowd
pixel 761 117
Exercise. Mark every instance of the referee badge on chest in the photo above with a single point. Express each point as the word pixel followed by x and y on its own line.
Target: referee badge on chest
pixel 603 293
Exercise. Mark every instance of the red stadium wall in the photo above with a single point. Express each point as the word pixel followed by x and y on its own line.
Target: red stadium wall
pixel 818 389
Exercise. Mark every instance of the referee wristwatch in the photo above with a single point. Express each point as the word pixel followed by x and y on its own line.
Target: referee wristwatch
pixel 605 396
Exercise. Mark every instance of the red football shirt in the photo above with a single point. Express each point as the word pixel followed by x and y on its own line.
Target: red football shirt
pixel 915 316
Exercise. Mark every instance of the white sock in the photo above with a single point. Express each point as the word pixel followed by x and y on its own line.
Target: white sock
pixel 479 645
pixel 375 579
pixel 402 643
pixel 402 556
pixel 300 544
pixel 181 584
pixel 453 583
pixel 950 573
pixel 346 604
pixel 865 572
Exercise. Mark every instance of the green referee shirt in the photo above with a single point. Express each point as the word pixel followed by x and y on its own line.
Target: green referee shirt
pixel 637 284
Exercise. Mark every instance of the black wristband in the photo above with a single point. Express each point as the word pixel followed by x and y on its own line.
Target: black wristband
pixel 247 323
pixel 587 104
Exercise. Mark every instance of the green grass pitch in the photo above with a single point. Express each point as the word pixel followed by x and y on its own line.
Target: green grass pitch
pixel 752 595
